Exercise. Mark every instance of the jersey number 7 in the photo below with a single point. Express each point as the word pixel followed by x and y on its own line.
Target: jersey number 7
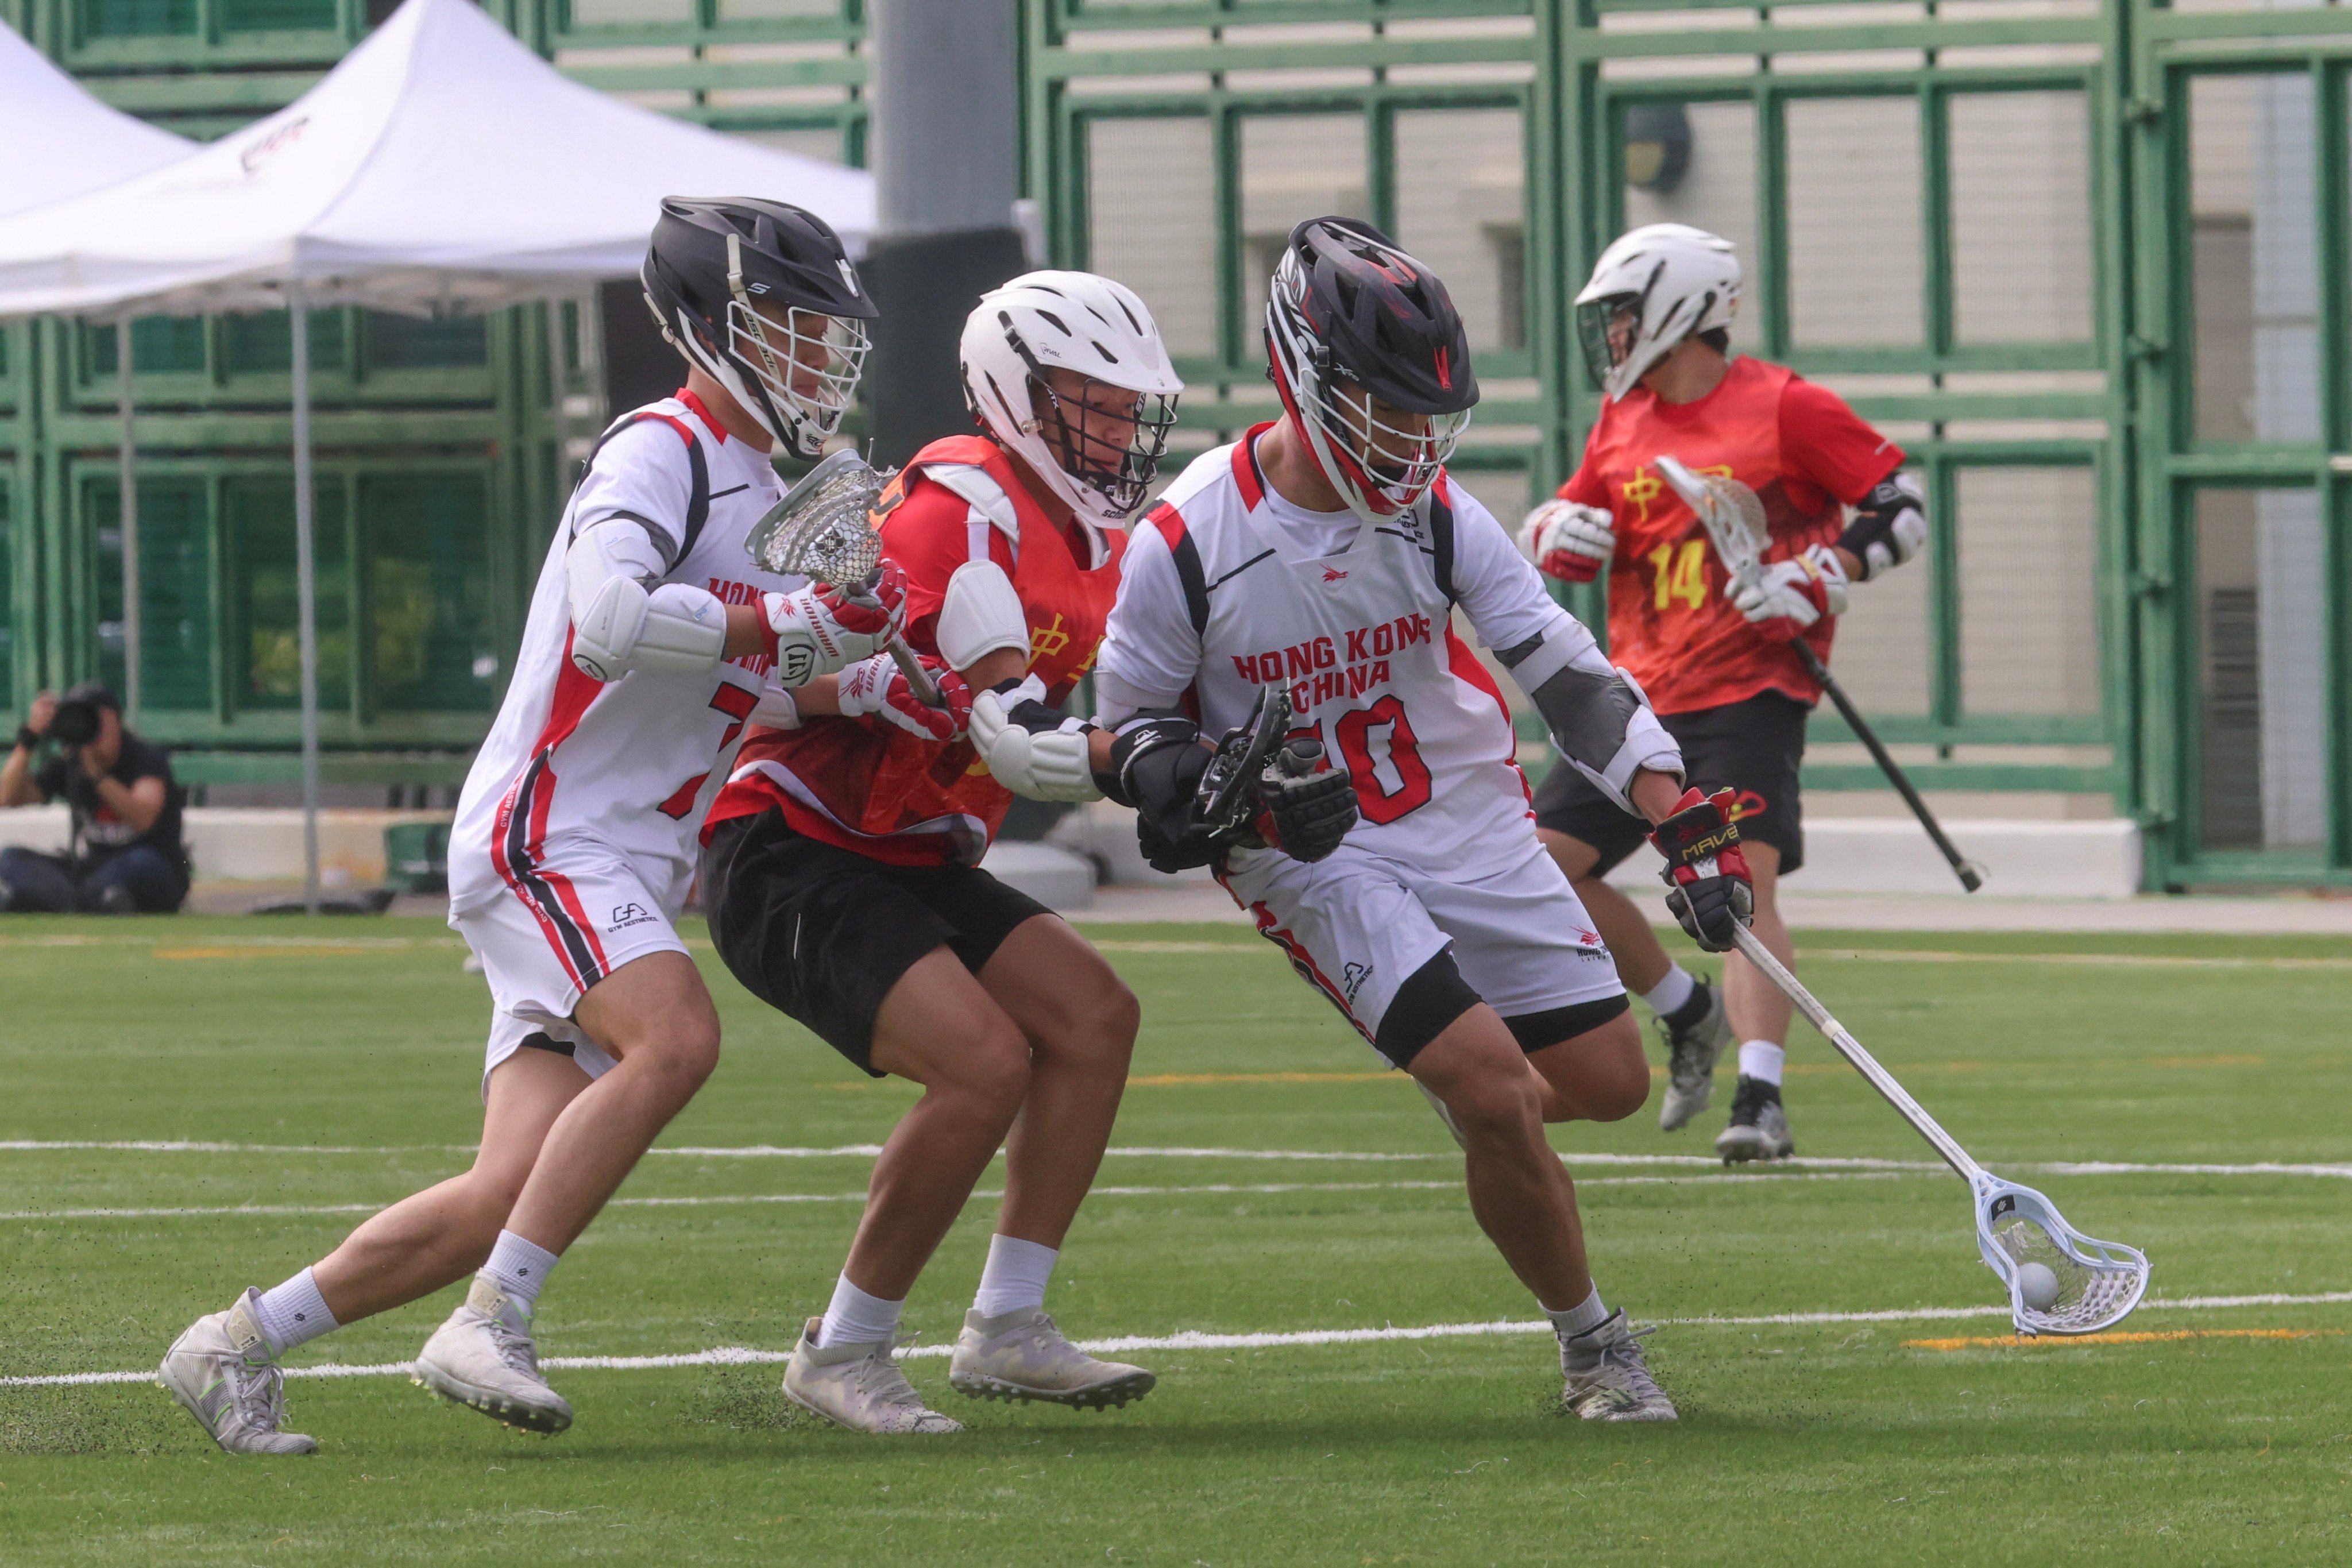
pixel 1379 805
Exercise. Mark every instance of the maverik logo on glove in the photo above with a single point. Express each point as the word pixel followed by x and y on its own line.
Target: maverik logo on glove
pixel 1707 883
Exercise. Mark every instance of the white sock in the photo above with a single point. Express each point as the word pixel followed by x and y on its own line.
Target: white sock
pixel 854 1318
pixel 1669 995
pixel 519 1267
pixel 1578 1320
pixel 294 1313
pixel 1015 1275
pixel 1761 1059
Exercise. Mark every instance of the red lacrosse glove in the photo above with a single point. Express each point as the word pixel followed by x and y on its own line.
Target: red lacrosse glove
pixel 1707 884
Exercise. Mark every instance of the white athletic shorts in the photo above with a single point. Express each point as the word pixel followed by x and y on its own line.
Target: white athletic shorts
pixel 560 924
pixel 1358 925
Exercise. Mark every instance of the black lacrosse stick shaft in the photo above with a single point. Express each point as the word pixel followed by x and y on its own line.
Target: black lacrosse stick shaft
pixel 1969 877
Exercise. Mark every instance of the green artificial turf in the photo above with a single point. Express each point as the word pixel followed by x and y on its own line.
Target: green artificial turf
pixel 348 1053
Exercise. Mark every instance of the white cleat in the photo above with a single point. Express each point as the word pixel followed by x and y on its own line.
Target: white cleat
pixel 223 1372
pixel 1759 1128
pixel 1025 1355
pixel 484 1358
pixel 1692 1052
pixel 858 1386
pixel 1608 1380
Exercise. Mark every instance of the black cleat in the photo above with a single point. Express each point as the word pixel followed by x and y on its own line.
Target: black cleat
pixel 1760 1128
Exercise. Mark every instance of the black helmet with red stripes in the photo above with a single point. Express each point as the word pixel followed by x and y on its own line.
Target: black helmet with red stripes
pixel 1352 323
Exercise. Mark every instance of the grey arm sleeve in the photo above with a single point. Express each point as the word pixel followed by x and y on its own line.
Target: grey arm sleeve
pixel 1600 722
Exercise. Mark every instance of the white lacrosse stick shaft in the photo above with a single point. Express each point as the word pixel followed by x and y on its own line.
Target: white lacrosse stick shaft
pixel 1958 1158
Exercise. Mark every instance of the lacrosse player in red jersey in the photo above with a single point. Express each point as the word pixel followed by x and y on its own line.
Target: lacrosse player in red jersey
pixel 1714 660
pixel 652 639
pixel 841 868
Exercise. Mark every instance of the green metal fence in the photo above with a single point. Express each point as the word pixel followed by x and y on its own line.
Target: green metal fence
pixel 2090 261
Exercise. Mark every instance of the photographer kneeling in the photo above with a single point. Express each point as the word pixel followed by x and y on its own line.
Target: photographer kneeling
pixel 125 856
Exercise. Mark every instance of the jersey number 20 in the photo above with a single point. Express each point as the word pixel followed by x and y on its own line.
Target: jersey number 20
pixel 1379 805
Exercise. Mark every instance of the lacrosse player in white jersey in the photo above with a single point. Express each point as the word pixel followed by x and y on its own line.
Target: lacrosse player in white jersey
pixel 652 642
pixel 1325 552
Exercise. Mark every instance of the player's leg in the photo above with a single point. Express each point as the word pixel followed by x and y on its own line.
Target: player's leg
pixel 1080 1019
pixel 1589 835
pixel 33 883
pixel 1356 917
pixel 837 941
pixel 1524 1201
pixel 642 1026
pixel 1756 747
pixel 225 1368
pixel 1761 1015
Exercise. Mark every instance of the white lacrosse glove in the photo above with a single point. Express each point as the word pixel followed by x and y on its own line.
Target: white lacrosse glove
pixel 1034 749
pixel 1568 540
pixel 673 630
pixel 818 630
pixel 876 688
pixel 1785 598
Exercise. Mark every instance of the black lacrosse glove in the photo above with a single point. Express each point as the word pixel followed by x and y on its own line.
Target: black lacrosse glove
pixel 1707 884
pixel 1156 763
pixel 1308 807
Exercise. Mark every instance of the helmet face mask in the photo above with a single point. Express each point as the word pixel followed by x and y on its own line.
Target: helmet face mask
pixel 1372 361
pixel 795 371
pixel 1608 330
pixel 1109 438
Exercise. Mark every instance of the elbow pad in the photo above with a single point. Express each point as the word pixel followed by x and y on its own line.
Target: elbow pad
pixel 675 629
pixel 981 615
pixel 1889 527
pixel 1604 728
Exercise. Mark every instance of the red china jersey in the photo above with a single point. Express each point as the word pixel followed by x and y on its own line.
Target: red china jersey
pixel 865 784
pixel 1671 620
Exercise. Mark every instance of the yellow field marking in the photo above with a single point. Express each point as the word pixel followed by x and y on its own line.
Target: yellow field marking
pixel 323 951
pixel 2146 1337
pixel 2125 960
pixel 1169 1079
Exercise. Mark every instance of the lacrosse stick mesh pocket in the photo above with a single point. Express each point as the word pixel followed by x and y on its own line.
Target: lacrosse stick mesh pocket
pixel 822 529
pixel 2098 1281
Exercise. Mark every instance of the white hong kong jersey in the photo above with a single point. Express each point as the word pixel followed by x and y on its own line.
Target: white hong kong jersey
pixel 576 768
pixel 1227 587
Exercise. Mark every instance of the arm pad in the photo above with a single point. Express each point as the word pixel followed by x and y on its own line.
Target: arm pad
pixel 981 615
pixel 1599 719
pixel 1890 525
pixel 675 629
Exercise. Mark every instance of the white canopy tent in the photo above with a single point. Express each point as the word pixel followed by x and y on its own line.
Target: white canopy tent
pixel 63 142
pixel 441 167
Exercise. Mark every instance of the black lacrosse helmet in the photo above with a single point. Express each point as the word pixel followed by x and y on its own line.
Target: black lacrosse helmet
pixel 739 285
pixel 1348 308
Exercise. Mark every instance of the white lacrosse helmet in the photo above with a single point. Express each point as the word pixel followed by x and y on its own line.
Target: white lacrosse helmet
pixel 1098 329
pixel 1656 287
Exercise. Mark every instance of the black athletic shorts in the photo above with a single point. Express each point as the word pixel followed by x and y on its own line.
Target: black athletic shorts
pixel 1752 746
pixel 821 933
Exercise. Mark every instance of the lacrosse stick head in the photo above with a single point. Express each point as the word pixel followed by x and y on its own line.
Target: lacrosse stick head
pixel 823 529
pixel 1732 515
pixel 2099 1282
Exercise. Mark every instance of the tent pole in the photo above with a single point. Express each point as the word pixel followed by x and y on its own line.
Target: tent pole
pixel 560 417
pixel 126 399
pixel 306 591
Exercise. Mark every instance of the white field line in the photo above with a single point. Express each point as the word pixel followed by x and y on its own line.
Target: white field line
pixel 240 1211
pixel 1572 1158
pixel 1191 1340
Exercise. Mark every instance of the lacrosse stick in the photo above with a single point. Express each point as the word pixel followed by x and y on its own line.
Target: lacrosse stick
pixel 1227 799
pixel 821 531
pixel 2099 1282
pixel 1734 518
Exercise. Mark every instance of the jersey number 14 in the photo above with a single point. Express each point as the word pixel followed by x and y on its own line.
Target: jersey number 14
pixel 1679 572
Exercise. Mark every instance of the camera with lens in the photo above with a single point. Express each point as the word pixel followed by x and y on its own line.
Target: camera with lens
pixel 74 723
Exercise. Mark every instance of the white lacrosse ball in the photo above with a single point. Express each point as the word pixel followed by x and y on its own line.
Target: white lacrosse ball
pixel 2037 1286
